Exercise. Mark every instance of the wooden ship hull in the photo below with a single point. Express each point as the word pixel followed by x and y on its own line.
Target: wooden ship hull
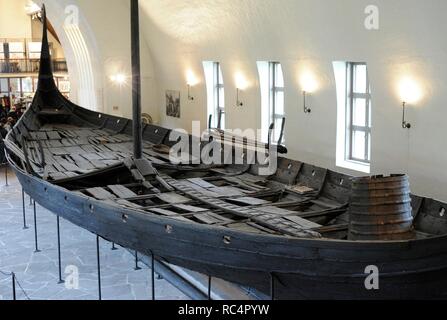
pixel 286 235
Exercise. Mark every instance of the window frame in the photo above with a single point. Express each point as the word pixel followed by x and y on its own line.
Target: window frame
pixel 34 55
pixel 351 128
pixel 219 91
pixel 273 91
pixel 3 50
pixel 22 54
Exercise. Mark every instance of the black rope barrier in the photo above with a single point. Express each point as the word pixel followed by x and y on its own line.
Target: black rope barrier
pixel 15 282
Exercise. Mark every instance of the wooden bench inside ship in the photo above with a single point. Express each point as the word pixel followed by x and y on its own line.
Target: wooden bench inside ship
pixel 300 200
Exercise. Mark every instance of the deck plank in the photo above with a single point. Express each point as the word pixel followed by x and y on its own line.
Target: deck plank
pixel 100 193
pixel 122 192
pixel 173 198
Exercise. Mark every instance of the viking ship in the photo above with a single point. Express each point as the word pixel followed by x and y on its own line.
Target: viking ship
pixel 304 232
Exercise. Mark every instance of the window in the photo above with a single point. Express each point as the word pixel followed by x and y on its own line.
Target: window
pixel 27 87
pixel 4 87
pixel 16 50
pixel 359 113
pixel 354 116
pixel 272 96
pixel 276 99
pixel 2 51
pixel 15 86
pixel 34 49
pixel 64 85
pixel 216 94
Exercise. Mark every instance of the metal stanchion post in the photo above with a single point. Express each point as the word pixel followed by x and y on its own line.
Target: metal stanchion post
pixel 99 268
pixel 153 275
pixel 6 175
pixel 59 250
pixel 14 295
pixel 113 246
pixel 35 228
pixel 24 212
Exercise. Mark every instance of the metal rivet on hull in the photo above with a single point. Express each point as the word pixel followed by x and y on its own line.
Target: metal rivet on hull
pixel 227 240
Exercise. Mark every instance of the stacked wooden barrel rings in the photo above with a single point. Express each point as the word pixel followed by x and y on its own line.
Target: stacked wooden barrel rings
pixel 380 209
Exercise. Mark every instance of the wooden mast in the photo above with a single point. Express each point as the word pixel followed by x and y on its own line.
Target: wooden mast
pixel 136 79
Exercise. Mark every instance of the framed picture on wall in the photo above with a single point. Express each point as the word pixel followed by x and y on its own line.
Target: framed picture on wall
pixel 173 103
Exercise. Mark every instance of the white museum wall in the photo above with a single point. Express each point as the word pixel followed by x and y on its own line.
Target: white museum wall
pixel 101 47
pixel 14 23
pixel 307 36
pixel 113 39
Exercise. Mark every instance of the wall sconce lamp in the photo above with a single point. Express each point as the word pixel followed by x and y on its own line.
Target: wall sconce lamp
pixel 410 92
pixel 306 109
pixel 239 103
pixel 119 79
pixel 241 85
pixel 309 85
pixel 191 81
pixel 190 97
pixel 405 124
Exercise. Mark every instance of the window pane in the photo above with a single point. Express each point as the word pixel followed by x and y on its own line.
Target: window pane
pixel 16 50
pixel 220 74
pixel 3 85
pixel 15 86
pixel 35 82
pixel 27 85
pixel 34 49
pixel 360 78
pixel 358 145
pixel 222 120
pixel 16 47
pixel 359 112
pixel 221 98
pixel 279 103
pixel 279 79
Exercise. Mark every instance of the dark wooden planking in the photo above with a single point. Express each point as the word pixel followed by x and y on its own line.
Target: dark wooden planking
pixel 100 193
pixel 432 218
pixel 288 171
pixel 312 176
pixel 121 191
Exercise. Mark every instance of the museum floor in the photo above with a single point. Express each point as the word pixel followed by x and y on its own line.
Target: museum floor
pixel 37 273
